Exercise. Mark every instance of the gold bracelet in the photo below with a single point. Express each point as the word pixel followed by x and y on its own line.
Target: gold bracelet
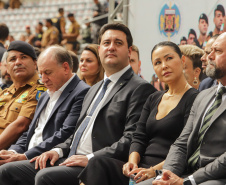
pixel 153 170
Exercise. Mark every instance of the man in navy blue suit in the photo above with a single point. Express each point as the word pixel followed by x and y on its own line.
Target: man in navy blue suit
pixel 57 111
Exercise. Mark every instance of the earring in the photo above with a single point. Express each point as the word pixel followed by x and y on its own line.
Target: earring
pixel 195 82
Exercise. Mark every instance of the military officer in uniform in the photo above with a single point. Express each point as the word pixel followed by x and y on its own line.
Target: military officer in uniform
pixel 50 36
pixel 18 102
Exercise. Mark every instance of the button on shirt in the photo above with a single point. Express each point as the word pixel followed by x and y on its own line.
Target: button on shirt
pixel 44 116
pixel 85 144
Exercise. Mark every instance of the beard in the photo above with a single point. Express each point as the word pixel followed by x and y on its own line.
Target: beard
pixel 213 71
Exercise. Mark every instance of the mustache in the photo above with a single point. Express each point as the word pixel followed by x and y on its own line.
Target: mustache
pixel 211 62
pixel 18 67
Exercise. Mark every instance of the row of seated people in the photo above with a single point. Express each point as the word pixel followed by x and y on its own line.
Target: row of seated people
pixel 70 138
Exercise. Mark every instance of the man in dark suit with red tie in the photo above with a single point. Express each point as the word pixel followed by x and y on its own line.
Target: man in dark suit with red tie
pixel 110 111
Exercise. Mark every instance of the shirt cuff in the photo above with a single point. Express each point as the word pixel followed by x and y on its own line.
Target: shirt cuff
pixel 59 151
pixel 89 156
pixel 191 178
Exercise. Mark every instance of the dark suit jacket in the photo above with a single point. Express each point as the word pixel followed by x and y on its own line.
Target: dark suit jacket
pixel 61 122
pixel 213 147
pixel 116 121
pixel 207 83
pixel 2 50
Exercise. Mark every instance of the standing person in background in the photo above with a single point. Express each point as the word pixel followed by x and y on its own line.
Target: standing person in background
pixel 98 10
pixel 59 22
pixel 73 32
pixel 192 64
pixel 90 68
pixel 4 33
pixel 203 27
pixel 5 76
pixel 218 20
pixel 191 37
pixel 51 35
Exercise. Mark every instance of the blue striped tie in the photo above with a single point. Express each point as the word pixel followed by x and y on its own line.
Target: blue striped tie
pixel 85 122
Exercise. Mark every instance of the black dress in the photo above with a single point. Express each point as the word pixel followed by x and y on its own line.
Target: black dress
pixel 152 140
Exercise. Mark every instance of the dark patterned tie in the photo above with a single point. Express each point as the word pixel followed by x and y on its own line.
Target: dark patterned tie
pixel 192 161
pixel 85 122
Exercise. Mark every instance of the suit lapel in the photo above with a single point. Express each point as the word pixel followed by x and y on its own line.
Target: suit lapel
pixel 69 88
pixel 119 84
pixel 219 111
pixel 192 142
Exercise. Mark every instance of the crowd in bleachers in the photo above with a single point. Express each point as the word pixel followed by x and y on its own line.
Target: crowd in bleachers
pixel 93 119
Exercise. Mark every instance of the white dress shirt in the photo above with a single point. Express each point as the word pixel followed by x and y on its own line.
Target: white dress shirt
pixel 44 116
pixel 85 143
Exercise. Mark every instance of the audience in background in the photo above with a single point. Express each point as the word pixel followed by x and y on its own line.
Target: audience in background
pixel 192 64
pixel 134 59
pixel 162 119
pixel 75 61
pixel 90 68
pixel 6 80
pixel 4 33
pixel 207 82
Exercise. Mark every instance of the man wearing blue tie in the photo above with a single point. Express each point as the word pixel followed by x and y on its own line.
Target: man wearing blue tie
pixel 109 114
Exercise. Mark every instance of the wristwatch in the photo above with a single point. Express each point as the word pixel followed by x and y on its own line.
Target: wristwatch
pixel 187 181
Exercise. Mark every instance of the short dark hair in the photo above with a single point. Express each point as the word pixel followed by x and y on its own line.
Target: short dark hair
pixel 135 48
pixel 49 21
pixel 60 10
pixel 70 15
pixel 219 8
pixel 169 44
pixel 60 54
pixel 4 31
pixel 117 26
pixel 75 61
pixel 40 23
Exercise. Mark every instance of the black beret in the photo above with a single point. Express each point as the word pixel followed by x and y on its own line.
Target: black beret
pixel 203 16
pixel 191 31
pixel 23 47
pixel 220 8
pixel 183 38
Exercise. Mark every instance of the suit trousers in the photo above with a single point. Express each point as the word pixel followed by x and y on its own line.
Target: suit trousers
pixel 104 170
pixel 24 173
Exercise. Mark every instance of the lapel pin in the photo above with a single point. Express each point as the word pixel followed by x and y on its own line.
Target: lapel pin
pixel 121 83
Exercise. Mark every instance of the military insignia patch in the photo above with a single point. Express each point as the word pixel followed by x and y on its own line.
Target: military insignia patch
pixel 39 93
pixel 2 103
pixel 22 97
